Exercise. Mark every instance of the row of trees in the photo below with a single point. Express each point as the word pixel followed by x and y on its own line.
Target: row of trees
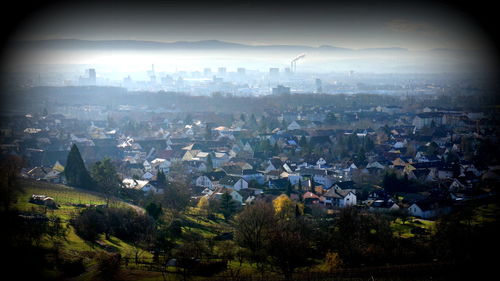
pixel 357 238
pixel 279 237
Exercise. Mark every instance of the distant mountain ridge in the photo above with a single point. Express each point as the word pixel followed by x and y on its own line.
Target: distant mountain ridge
pixel 192 45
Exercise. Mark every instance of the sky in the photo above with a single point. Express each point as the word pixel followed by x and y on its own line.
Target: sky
pixel 415 25
pixel 418 26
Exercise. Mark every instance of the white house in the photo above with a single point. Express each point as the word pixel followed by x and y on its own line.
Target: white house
pixel 142 185
pixel 319 176
pixel 219 159
pixel 338 198
pixel 427 210
pixel 204 181
pixel 207 191
pixel 427 119
pixel 293 126
pixel 147 166
pixel 248 148
pixel 160 164
pixel 320 162
pixel 165 166
pixel 233 182
pixel 221 190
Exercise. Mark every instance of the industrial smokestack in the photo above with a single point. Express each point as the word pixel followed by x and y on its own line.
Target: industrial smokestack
pixel 293 63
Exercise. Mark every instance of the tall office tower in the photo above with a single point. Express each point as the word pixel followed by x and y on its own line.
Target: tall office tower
pixel 91 76
pixel 274 72
pixel 89 79
pixel 221 71
pixel 152 74
pixel 319 86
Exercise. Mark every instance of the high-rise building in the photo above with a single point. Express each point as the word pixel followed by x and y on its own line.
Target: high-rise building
pixel 274 71
pixel 152 74
pixel 207 72
pixel 221 71
pixel 90 77
pixel 319 86
pixel 241 71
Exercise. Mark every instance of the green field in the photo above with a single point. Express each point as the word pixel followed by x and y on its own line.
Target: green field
pixel 70 201
pixel 67 198
pixel 404 230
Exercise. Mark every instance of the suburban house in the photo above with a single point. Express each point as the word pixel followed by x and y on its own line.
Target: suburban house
pixel 46 174
pixel 252 174
pixel 383 206
pixel 160 164
pixel 293 126
pixel 310 198
pixel 142 185
pixel 236 183
pixel 427 119
pixel 319 176
pixel 278 184
pixel 147 166
pixel 428 209
pixel 147 176
pixel 338 198
pixel 204 181
pixel 221 190
pixel 219 159
pixel 273 164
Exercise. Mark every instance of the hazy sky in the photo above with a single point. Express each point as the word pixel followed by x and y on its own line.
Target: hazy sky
pixel 413 25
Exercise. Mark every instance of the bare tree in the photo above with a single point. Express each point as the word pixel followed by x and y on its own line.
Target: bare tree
pixel 253 227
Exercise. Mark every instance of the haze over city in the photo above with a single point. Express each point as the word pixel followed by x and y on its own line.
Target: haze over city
pixel 368 37
pixel 278 141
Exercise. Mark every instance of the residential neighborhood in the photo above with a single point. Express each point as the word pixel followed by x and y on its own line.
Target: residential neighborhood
pixel 250 141
pixel 426 160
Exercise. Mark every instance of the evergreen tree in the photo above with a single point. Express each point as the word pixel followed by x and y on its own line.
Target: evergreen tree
pixel 210 164
pixel 75 171
pixel 161 179
pixel 369 144
pixel 253 121
pixel 276 148
pixel 298 213
pixel 208 132
pixel 303 141
pixel 227 205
